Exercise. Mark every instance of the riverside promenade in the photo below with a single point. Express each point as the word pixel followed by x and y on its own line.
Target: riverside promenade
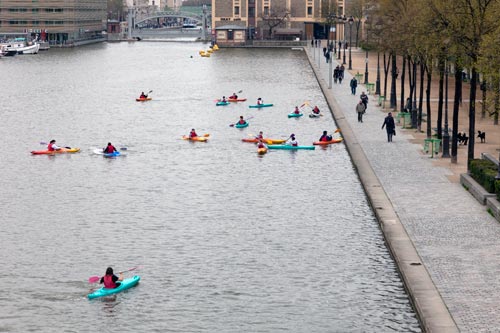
pixel 446 245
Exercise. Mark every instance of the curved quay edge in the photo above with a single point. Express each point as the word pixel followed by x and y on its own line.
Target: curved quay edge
pixel 427 301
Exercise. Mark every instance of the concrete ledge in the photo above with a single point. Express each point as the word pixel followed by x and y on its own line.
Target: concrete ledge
pixel 489 157
pixel 426 299
pixel 494 205
pixel 475 189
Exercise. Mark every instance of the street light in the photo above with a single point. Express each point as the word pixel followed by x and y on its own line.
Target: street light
pixel 351 21
pixel 446 134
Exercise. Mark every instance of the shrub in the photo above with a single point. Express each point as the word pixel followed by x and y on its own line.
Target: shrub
pixel 484 172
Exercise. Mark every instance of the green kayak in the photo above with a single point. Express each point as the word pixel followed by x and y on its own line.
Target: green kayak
pixel 289 147
pixel 124 285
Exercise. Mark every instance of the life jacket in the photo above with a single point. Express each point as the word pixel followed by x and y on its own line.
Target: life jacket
pixel 50 147
pixel 242 122
pixel 324 138
pixel 260 137
pixel 109 149
pixel 108 282
pixel 316 110
pixel 193 135
pixel 297 111
pixel 261 145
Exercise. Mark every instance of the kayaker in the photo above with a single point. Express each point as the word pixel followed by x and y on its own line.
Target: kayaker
pixel 291 140
pixel 224 99
pixel 260 101
pixel 296 111
pixel 193 134
pixel 260 136
pixel 109 149
pixel 325 137
pixel 316 110
pixel 143 95
pixel 242 121
pixel 110 279
pixel 52 146
pixel 261 144
pixel 233 96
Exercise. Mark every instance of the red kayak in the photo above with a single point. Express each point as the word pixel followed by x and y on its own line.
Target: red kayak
pixel 324 143
pixel 143 99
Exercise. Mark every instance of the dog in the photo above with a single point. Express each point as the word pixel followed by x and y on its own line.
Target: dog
pixel 482 136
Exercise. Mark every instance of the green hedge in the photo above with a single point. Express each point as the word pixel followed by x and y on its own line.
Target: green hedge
pixel 484 172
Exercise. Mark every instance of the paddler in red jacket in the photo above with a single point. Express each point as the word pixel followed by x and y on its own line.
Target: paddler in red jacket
pixel 193 134
pixel 52 146
pixel 109 149
pixel 233 96
pixel 242 121
pixel 110 279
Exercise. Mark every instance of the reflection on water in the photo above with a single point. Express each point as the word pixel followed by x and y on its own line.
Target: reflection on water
pixel 229 241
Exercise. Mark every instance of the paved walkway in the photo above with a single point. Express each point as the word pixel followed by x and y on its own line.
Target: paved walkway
pixel 456 239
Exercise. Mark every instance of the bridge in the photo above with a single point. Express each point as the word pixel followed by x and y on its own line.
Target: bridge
pixel 148 26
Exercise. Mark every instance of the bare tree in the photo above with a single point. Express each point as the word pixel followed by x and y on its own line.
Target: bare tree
pixel 274 18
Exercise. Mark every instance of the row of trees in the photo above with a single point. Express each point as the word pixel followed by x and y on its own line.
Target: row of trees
pixel 432 37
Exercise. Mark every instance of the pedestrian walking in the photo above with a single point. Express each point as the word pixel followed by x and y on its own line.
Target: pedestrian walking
pixel 354 85
pixel 390 127
pixel 312 42
pixel 360 109
pixel 341 74
pixel 364 99
pixel 327 56
pixel 336 72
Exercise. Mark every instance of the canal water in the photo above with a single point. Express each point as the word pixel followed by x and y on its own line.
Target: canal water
pixel 226 241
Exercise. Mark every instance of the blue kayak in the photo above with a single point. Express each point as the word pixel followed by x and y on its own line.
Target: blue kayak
pixel 221 103
pixel 113 154
pixel 238 125
pixel 260 106
pixel 295 115
pixel 290 147
pixel 124 285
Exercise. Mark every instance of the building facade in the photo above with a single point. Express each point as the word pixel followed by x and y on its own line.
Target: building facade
pixel 278 19
pixel 57 21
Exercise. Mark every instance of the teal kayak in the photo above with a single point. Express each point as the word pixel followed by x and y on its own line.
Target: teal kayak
pixel 241 125
pixel 124 285
pixel 221 103
pixel 295 115
pixel 289 147
pixel 258 106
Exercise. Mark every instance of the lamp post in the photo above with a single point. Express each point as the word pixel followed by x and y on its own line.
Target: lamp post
pixel 351 21
pixel 446 134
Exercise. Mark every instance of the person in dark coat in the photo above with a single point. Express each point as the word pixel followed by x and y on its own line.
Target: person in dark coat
pixel 336 73
pixel 390 127
pixel 354 85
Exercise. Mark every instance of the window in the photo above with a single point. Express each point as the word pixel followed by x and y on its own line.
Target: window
pixel 237 10
pixel 266 10
pixel 251 12
pixel 309 10
pixel 34 10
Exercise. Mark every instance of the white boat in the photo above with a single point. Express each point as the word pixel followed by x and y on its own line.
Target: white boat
pixel 21 47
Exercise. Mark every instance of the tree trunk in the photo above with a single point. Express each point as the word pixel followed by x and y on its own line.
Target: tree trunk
pixel 386 71
pixel 428 102
pixel 393 83
pixel 402 93
pixel 496 83
pixel 472 115
pixel 441 65
pixel 421 97
pixel 456 109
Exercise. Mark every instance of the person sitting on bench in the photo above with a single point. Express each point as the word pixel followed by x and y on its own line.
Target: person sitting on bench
pixel 462 138
pixel 482 136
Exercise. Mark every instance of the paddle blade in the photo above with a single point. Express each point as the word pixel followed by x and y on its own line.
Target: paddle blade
pixel 337 130
pixel 206 135
pixel 240 91
pixel 94 279
pixel 232 125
